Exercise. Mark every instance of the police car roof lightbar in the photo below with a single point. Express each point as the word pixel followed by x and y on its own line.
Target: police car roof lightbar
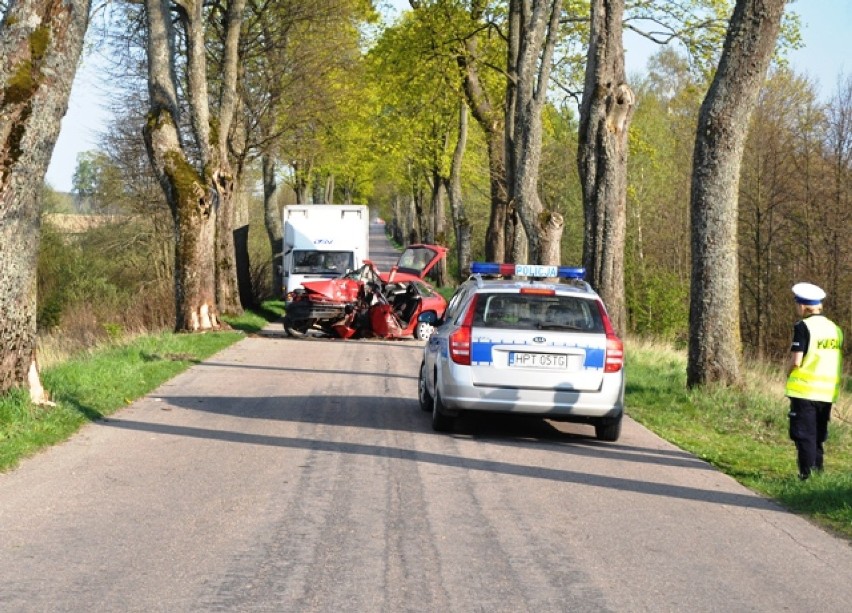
pixel 527 270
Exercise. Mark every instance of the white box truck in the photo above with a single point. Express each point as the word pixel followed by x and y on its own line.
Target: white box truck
pixel 323 241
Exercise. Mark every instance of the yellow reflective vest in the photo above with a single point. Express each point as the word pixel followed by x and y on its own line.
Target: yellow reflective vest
pixel 818 377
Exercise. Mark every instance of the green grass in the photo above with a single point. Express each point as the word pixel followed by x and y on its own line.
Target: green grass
pixel 98 383
pixel 743 432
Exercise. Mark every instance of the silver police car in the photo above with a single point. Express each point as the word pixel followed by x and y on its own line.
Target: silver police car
pixel 525 347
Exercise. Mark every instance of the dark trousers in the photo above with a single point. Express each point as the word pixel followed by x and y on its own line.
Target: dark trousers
pixel 809 429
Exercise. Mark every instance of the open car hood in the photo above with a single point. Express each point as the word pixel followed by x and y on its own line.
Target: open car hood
pixel 415 262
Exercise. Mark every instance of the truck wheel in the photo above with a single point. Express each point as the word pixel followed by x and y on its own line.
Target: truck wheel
pixel 297 328
pixel 423 331
pixel 423 394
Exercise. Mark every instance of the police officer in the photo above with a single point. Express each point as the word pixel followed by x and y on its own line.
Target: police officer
pixel 813 376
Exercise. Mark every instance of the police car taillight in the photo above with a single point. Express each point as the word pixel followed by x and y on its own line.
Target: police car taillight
pixel 614 360
pixel 614 354
pixel 460 339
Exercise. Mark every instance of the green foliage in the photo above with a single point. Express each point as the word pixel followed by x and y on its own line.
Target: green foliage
pixel 414 66
pixel 103 274
pixel 658 304
pixel 657 265
pixel 55 202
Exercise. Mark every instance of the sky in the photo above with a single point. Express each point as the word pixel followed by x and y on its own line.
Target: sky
pixel 826 26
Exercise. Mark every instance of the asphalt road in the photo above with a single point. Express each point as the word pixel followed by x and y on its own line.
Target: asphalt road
pixel 300 475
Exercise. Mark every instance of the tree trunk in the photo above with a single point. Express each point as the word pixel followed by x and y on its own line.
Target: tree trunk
pixel 329 190
pixel 399 227
pixel 227 287
pixel 461 224
pixel 493 125
pixel 274 224
pixel 224 177
pixel 189 196
pixel 605 114
pixel 439 272
pixel 40 44
pixel 300 182
pixel 714 324
pixel 242 258
pixel 536 32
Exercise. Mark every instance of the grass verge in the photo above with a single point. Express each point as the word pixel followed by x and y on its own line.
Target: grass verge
pixel 743 432
pixel 97 383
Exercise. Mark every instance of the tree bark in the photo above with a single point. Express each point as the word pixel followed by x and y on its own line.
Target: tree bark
pixel 458 211
pixel 226 180
pixel 40 44
pixel 605 114
pixel 188 193
pixel 273 223
pixel 492 123
pixel 714 324
pixel 439 237
pixel 536 33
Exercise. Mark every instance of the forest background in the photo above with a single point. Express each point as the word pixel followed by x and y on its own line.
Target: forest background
pixel 386 126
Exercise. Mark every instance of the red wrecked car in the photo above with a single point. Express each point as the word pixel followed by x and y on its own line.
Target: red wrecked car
pixel 367 303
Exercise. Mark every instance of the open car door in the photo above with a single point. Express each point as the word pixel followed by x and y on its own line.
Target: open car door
pixel 415 263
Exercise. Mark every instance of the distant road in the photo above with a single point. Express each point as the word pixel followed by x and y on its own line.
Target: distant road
pixel 301 475
pixel 382 252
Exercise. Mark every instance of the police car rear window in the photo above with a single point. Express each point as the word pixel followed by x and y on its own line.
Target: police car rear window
pixel 537 312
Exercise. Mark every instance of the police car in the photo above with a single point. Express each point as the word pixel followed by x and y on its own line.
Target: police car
pixel 525 347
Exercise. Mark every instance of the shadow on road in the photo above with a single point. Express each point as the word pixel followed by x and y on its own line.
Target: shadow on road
pixel 454 461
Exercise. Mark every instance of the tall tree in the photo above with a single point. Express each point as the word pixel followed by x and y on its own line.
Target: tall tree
pixel 192 168
pixel 533 32
pixel 605 114
pixel 229 137
pixel 40 44
pixel 453 187
pixel 714 325
pixel 487 105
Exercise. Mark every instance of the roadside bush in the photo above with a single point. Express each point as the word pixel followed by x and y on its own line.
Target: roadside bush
pixel 99 286
pixel 658 306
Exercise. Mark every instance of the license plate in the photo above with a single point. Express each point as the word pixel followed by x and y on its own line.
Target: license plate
pixel 556 361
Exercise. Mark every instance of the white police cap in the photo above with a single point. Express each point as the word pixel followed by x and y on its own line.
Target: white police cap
pixel 808 293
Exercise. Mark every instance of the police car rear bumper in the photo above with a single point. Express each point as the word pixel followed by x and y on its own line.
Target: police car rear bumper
pixel 606 403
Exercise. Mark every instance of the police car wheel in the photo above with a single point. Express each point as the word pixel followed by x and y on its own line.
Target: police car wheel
pixel 608 430
pixel 441 422
pixel 426 401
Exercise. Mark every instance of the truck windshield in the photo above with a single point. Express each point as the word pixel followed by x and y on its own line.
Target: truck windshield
pixel 322 262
